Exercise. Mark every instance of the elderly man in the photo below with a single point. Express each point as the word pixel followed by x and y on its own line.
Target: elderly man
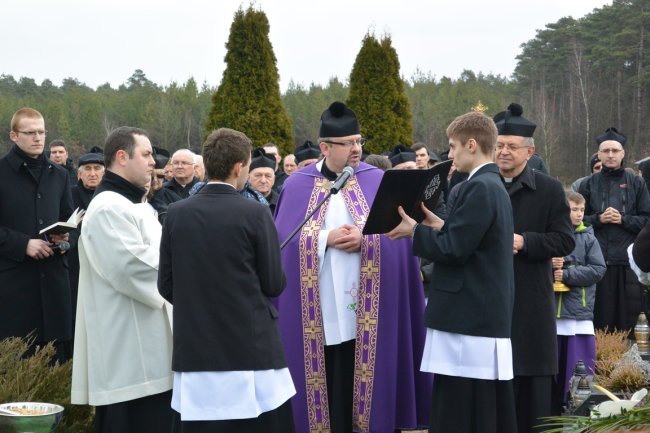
pixel 617 207
pixel 262 176
pixel 123 323
pixel 199 168
pixel 289 164
pixel 184 176
pixel 35 193
pixel 352 302
pixel 90 172
pixel 543 230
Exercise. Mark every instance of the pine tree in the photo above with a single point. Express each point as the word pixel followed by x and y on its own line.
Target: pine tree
pixel 378 97
pixel 248 98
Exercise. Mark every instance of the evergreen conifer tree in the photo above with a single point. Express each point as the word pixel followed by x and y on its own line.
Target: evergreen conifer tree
pixel 248 98
pixel 377 95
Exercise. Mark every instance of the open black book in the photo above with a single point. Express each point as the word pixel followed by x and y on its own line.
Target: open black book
pixel 406 188
pixel 63 227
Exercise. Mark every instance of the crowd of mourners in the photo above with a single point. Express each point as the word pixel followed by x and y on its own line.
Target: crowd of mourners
pixel 236 291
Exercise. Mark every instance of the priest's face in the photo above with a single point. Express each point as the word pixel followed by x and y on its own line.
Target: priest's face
pixel 262 179
pixel 611 154
pixel 340 152
pixel 512 153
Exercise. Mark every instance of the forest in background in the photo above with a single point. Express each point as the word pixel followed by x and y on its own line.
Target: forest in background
pixel 574 79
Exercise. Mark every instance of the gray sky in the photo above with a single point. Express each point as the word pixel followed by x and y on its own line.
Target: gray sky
pixel 313 40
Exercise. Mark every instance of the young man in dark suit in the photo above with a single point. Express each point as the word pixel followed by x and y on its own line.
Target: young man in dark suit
pixel 469 313
pixel 219 263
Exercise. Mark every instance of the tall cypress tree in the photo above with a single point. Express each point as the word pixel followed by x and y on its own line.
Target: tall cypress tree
pixel 377 95
pixel 248 98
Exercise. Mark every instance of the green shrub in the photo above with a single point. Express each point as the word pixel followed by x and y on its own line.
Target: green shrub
pixel 36 378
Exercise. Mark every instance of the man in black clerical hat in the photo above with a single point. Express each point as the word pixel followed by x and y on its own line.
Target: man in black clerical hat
pixel 353 301
pixel 618 207
pixel 306 154
pixel 402 158
pixel 261 176
pixel 543 230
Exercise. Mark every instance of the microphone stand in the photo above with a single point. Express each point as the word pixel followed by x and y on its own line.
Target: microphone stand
pixel 307 218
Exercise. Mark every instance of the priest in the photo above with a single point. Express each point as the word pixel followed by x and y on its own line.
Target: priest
pixel 351 315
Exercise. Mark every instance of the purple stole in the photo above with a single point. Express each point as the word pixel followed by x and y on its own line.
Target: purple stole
pixel 367 310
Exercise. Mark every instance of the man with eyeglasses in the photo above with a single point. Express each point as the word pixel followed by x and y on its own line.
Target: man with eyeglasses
pixel 543 230
pixel 184 179
pixel 618 207
pixel 351 316
pixel 35 193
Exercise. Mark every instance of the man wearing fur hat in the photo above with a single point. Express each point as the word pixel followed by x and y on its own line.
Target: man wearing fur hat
pixel 618 207
pixel 543 230
pixel 351 316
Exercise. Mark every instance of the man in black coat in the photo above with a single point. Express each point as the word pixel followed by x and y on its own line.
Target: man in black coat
pixel 34 193
pixel 542 231
pixel 617 206
pixel 471 295
pixel 59 155
pixel 219 263
pixel 184 180
pixel 91 171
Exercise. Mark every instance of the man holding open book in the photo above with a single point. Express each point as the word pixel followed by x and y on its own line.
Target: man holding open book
pixel 34 192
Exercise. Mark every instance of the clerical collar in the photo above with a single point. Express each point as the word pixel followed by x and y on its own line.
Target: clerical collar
pixel 329 174
pixel 116 183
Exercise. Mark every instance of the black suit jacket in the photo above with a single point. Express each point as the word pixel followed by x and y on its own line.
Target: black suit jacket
pixel 472 287
pixel 219 260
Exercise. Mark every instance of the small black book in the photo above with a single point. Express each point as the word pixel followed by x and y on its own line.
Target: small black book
pixel 406 188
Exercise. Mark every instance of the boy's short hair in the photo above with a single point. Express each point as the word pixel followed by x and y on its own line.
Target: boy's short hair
pixel 223 149
pixel 477 126
pixel 575 197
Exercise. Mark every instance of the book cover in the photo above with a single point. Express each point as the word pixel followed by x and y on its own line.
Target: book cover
pixel 406 188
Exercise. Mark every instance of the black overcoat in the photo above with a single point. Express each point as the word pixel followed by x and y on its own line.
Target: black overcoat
pixel 34 294
pixel 541 216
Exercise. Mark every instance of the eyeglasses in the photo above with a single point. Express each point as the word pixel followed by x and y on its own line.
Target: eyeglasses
pixel 612 151
pixel 181 163
pixel 348 143
pixel 160 176
pixel 33 133
pixel 500 146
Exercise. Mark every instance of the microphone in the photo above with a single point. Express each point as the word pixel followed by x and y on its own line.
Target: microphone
pixel 61 246
pixel 341 180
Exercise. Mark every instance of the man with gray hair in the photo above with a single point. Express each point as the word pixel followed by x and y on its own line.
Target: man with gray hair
pixel 543 230
pixel 183 162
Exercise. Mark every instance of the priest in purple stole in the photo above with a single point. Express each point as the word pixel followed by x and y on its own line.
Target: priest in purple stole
pixel 351 315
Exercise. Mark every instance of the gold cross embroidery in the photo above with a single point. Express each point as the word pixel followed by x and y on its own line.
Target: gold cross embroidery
pixel 370 269
pixel 310 279
pixel 367 321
